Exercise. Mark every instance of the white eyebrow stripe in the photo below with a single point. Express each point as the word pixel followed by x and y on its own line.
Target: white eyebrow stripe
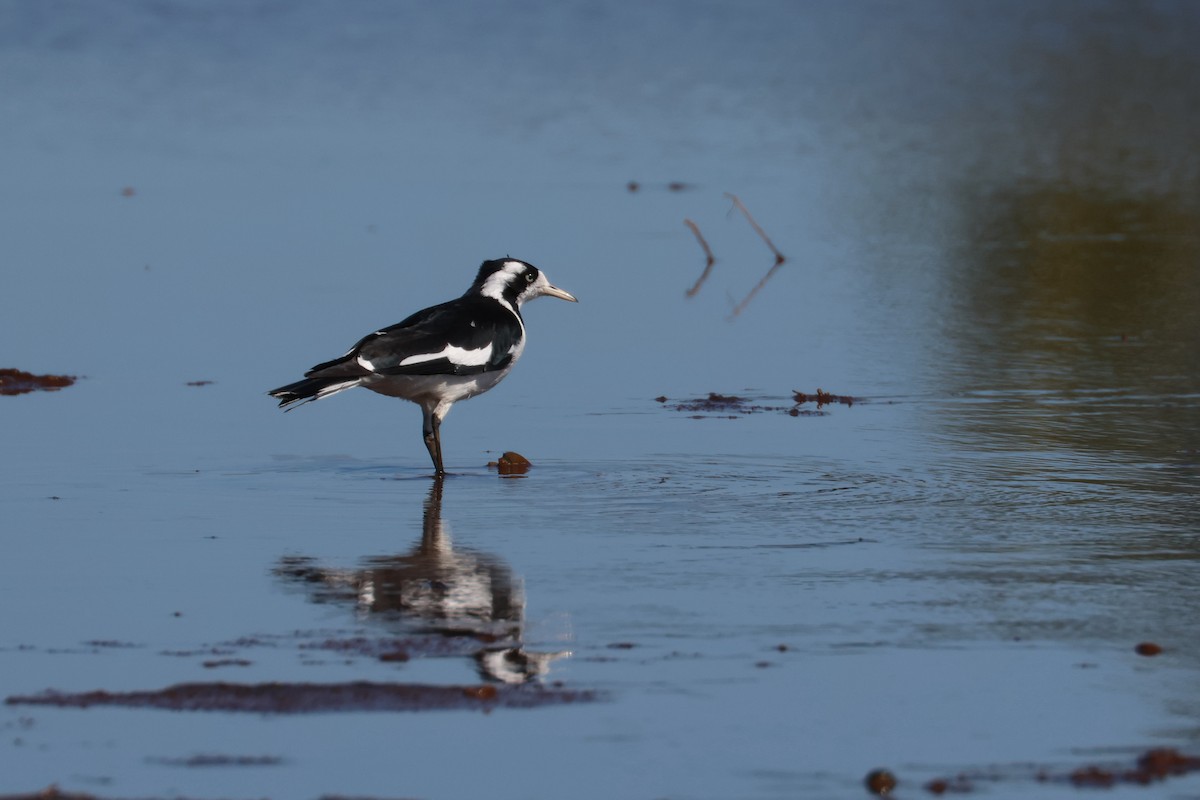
pixel 499 280
pixel 455 355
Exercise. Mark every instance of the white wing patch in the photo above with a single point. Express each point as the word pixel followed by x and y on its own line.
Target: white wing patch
pixel 458 356
pixel 365 363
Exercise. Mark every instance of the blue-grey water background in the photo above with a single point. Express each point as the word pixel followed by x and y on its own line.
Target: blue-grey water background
pixel 991 218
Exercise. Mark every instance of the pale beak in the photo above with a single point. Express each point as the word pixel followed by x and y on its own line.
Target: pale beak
pixel 554 291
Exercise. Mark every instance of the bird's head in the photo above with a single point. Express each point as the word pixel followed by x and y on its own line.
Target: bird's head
pixel 514 282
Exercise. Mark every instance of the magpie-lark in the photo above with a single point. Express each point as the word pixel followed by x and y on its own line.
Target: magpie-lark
pixel 441 355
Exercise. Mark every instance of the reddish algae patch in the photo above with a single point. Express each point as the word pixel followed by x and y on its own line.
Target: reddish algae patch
pixel 1150 767
pixel 305 698
pixel 15 381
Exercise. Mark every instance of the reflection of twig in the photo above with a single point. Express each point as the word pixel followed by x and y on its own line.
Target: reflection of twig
pixel 708 258
pixel 779 259
pixel 746 300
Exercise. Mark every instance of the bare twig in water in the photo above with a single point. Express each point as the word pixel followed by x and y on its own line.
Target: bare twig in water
pixel 779 259
pixel 709 260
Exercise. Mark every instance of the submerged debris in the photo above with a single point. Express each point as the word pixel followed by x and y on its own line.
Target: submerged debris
pixel 959 784
pixel 226 662
pixel 51 792
pixel 15 381
pixel 823 398
pixel 673 186
pixel 307 698
pixel 1148 649
pixel 1153 765
pixel 711 406
pixel 216 760
pixel 1150 767
pixel 729 406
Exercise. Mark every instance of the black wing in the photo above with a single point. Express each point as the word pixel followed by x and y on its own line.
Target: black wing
pixel 462 337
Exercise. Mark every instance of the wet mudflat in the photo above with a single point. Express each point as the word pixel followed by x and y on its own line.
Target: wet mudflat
pixel 891 464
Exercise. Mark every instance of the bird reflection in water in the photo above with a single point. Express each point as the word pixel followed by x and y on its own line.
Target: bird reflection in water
pixel 436 590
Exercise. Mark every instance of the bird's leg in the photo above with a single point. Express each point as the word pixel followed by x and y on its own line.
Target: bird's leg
pixel 433 440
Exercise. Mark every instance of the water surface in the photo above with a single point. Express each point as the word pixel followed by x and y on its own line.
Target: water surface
pixel 991 229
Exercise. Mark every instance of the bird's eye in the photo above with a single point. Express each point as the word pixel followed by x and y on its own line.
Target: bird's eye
pixel 529 277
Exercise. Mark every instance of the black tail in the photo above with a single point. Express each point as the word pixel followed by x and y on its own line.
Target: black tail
pixel 310 389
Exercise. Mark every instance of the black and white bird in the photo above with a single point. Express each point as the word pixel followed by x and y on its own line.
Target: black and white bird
pixel 441 355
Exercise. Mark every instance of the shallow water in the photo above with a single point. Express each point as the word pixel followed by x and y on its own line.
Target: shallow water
pixel 991 230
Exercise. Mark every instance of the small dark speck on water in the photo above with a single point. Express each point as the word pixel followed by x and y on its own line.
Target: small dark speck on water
pixel 880 782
